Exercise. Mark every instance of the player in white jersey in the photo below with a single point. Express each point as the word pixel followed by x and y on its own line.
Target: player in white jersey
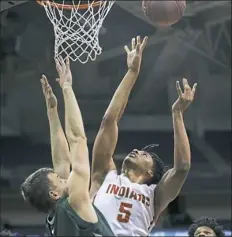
pixel 133 200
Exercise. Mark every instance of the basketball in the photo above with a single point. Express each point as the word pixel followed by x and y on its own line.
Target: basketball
pixel 163 13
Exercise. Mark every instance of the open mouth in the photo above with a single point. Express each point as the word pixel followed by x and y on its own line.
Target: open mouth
pixel 132 155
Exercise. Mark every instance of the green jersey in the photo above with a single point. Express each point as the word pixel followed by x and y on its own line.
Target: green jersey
pixel 64 221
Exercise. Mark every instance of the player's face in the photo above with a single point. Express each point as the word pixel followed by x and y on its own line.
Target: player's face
pixel 140 160
pixel 204 231
pixel 59 186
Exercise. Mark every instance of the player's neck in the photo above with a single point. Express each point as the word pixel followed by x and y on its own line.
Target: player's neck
pixel 133 177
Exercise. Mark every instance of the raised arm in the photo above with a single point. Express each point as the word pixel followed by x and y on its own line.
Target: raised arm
pixel 78 181
pixel 107 136
pixel 172 181
pixel 59 145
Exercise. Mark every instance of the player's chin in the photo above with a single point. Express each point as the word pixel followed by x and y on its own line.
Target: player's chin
pixel 129 160
pixel 65 192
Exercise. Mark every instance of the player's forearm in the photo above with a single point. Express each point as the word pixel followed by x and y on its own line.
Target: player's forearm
pixel 56 130
pixel 73 120
pixel 59 146
pixel 76 135
pixel 107 136
pixel 182 154
pixel 121 96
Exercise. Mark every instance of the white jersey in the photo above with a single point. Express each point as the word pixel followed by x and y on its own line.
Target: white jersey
pixel 128 207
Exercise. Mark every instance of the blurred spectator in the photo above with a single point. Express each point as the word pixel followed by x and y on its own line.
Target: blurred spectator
pixel 6 228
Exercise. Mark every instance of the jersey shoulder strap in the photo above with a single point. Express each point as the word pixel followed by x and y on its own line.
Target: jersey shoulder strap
pixel 151 188
pixel 111 176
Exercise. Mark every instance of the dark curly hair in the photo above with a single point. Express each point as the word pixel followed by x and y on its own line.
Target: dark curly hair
pixel 35 189
pixel 159 167
pixel 206 221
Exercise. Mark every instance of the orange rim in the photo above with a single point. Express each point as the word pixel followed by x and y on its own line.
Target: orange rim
pixel 68 6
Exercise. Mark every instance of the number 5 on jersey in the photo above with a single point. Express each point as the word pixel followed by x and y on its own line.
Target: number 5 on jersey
pixel 125 213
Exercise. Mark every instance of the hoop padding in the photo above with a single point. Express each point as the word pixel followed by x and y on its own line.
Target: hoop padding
pixel 76 27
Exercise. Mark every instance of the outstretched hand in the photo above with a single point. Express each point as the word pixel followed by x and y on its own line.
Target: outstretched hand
pixel 50 98
pixel 134 56
pixel 63 69
pixel 185 98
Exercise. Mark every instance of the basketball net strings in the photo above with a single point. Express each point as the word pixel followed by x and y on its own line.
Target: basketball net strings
pixel 76 33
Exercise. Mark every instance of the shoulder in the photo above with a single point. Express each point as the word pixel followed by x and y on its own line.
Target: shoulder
pixel 62 202
pixel 111 177
pixel 64 209
pixel 112 174
pixel 63 205
pixel 152 187
pixel 148 189
pixel 98 178
pixel 100 182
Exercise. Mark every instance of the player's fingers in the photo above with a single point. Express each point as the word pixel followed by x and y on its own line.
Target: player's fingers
pixel 42 80
pixel 194 89
pixel 58 80
pixel 67 62
pixel 62 63
pixel 60 60
pixel 49 90
pixel 138 48
pixel 138 39
pixel 58 66
pixel 57 62
pixel 126 49
pixel 185 84
pixel 42 84
pixel 45 80
pixel 178 88
pixel 144 43
pixel 133 44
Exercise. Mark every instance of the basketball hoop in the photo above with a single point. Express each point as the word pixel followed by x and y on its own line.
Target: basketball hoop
pixel 76 26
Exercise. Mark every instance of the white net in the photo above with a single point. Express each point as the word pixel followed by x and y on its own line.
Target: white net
pixel 77 30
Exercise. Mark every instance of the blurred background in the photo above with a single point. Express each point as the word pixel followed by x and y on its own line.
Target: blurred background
pixel 198 48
